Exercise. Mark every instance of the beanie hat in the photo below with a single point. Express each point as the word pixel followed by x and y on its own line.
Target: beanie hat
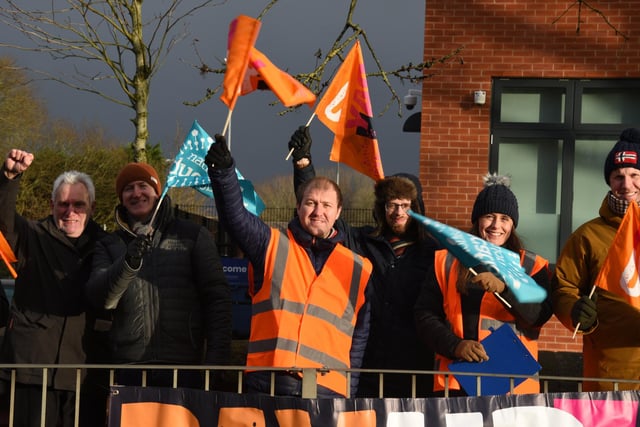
pixel 137 172
pixel 496 197
pixel 624 154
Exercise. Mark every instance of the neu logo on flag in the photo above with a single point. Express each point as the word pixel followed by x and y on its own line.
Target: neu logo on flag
pixel 619 272
pixel 625 157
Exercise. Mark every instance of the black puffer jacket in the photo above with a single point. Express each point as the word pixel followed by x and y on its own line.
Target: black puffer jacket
pixel 49 323
pixel 393 291
pixel 163 312
pixel 4 309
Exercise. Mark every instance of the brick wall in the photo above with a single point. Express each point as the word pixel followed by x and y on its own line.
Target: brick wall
pixel 555 337
pixel 506 38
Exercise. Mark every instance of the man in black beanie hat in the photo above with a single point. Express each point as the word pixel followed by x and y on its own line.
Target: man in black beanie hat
pixel 611 345
pixel 401 254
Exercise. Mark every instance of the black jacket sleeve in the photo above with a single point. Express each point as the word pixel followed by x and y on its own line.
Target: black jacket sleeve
pixel 4 307
pixel 302 175
pixel 215 298
pixel 247 230
pixel 110 275
pixel 432 325
pixel 531 316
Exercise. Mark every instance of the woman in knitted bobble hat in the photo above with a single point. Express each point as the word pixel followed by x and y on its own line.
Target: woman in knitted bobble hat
pixel 457 306
pixel 495 213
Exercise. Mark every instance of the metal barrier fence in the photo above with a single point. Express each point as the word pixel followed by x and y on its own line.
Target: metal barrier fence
pixel 309 384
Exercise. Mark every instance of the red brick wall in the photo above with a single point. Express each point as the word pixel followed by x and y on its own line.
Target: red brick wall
pixel 506 38
pixel 555 337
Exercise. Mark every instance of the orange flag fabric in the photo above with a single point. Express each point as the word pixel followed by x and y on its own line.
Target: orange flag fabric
pixel 619 272
pixel 262 74
pixel 7 255
pixel 243 33
pixel 346 110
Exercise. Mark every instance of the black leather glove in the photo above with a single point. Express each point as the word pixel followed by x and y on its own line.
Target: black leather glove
pixel 136 250
pixel 219 156
pixel 300 143
pixel 584 312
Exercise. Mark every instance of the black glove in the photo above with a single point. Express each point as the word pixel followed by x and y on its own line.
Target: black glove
pixel 300 143
pixel 219 156
pixel 584 312
pixel 136 250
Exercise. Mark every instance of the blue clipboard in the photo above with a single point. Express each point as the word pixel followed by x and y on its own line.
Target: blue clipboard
pixel 507 355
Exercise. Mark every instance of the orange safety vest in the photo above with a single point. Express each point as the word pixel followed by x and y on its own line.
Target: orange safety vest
pixel 303 320
pixel 492 315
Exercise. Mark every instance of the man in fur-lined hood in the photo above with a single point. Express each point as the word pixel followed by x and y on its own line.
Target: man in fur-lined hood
pixel 394 195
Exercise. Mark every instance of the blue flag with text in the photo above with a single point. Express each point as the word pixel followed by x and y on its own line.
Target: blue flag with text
pixel 473 251
pixel 189 170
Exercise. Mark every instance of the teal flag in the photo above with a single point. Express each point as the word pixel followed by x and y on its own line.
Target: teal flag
pixel 189 170
pixel 473 251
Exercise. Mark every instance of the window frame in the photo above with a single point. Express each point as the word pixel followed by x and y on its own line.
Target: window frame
pixel 569 131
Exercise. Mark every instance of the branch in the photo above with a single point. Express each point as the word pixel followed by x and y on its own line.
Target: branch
pixel 580 3
pixel 318 79
pixel 106 33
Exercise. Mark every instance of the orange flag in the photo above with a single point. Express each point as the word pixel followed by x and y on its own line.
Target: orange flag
pixel 346 110
pixel 7 255
pixel 619 272
pixel 243 33
pixel 262 74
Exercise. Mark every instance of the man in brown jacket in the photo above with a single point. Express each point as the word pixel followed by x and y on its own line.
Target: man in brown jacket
pixel 611 344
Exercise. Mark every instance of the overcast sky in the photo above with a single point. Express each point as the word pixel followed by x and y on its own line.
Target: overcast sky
pixel 290 34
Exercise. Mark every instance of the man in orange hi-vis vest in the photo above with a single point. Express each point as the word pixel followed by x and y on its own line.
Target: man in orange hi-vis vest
pixel 308 296
pixel 590 302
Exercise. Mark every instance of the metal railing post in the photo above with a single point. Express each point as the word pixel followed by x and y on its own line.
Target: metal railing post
pixel 309 383
pixel 43 403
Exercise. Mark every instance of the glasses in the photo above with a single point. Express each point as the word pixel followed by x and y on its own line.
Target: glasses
pixel 391 207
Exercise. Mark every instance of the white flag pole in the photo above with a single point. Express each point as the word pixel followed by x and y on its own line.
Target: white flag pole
pixel 307 125
pixel 575 331
pixel 504 301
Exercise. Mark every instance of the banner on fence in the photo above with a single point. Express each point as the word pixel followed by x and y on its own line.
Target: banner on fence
pixel 166 407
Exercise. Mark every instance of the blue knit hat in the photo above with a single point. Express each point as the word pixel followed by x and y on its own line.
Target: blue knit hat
pixel 625 154
pixel 496 197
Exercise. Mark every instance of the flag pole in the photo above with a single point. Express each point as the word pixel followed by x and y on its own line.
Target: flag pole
pixel 166 189
pixel 226 123
pixel 575 331
pixel 504 301
pixel 307 125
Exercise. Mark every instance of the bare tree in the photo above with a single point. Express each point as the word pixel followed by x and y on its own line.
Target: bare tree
pixel 109 42
pixel 583 4
pixel 113 45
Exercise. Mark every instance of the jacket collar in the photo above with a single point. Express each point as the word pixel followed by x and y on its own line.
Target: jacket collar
pixel 308 241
